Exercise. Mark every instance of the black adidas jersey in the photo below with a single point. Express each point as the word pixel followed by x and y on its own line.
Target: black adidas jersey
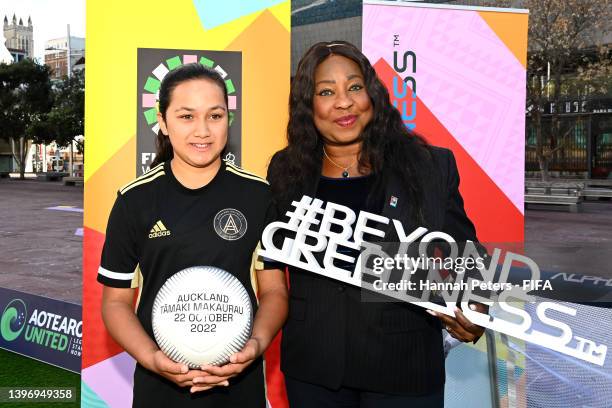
pixel 158 227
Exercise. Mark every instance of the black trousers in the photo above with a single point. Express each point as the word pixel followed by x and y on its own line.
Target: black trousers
pixel 305 395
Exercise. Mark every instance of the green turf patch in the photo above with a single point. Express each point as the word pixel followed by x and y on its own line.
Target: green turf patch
pixel 21 372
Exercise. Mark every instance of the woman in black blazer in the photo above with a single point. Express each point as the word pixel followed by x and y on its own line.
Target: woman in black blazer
pixel 347 144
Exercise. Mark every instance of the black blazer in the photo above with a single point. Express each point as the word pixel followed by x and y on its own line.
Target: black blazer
pixel 333 338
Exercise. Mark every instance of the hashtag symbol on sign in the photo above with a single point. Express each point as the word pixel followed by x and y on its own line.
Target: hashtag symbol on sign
pixel 305 213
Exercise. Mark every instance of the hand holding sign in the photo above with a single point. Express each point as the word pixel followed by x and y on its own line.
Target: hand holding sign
pixel 460 327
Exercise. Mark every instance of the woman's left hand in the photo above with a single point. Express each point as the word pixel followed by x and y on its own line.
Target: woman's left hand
pixel 459 326
pixel 219 376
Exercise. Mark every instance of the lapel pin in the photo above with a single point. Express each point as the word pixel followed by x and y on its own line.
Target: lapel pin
pixel 393 201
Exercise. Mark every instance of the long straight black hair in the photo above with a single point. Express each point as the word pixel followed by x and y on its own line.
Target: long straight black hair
pixel 184 73
pixel 387 145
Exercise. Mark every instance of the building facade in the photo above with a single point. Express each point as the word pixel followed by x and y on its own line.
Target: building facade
pixel 56 54
pixel 19 38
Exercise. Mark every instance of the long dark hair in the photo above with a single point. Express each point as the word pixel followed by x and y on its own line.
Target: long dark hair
pixel 387 145
pixel 187 72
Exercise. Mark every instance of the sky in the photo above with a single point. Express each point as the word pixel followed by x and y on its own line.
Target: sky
pixel 49 18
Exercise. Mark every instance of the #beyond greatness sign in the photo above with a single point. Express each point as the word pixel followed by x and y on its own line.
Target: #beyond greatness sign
pixel 317 234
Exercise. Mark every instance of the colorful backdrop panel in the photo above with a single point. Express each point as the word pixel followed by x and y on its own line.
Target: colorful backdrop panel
pixel 457 75
pixel 129 47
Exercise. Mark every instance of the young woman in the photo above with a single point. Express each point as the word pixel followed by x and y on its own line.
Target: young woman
pixel 347 144
pixel 183 195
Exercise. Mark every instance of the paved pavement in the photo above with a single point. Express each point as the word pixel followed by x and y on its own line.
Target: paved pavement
pixel 39 250
pixel 572 242
pixel 41 253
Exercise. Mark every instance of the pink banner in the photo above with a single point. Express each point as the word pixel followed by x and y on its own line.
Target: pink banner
pixel 457 75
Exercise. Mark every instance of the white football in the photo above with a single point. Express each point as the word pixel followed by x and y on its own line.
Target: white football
pixel 202 315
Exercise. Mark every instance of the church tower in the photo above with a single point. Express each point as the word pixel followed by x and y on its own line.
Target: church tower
pixel 19 37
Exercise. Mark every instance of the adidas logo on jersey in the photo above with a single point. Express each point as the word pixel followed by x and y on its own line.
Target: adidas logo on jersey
pixel 159 230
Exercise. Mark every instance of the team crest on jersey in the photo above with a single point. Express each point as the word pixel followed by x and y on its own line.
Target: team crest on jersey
pixel 230 224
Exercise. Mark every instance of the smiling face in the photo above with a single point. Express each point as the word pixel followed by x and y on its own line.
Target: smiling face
pixel 196 122
pixel 341 104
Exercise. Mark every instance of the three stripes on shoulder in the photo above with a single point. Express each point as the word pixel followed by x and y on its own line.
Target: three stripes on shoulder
pixel 150 175
pixel 243 173
pixel 158 171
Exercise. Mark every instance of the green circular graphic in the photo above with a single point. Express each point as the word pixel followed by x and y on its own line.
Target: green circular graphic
pixel 13 320
pixel 152 84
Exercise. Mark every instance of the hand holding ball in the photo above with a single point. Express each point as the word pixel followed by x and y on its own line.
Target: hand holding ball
pixel 202 315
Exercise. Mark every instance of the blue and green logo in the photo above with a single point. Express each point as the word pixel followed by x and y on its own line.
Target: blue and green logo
pixel 13 319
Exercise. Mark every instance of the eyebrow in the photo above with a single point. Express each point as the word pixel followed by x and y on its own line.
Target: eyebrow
pixel 193 110
pixel 331 81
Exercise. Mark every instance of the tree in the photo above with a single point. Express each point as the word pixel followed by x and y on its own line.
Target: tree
pixel 560 33
pixel 595 77
pixel 25 96
pixel 65 121
pixel 66 118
